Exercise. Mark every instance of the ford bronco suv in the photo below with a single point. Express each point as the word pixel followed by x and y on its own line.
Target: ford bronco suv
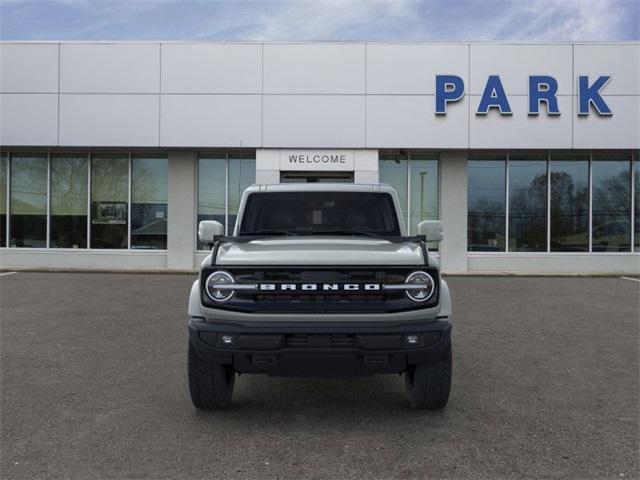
pixel 319 280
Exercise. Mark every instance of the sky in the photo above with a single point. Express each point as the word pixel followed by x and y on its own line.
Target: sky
pixel 321 20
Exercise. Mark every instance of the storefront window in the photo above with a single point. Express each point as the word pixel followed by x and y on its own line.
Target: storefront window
pixel 109 196
pixel 423 172
pixel 486 204
pixel 222 178
pixel 28 201
pixel 242 173
pixel 394 171
pixel 527 203
pixel 212 174
pixel 611 181
pixel 569 203
pixel 69 201
pixel 3 200
pixel 149 196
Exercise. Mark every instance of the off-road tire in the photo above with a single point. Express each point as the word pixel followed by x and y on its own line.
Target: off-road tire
pixel 428 384
pixel 210 384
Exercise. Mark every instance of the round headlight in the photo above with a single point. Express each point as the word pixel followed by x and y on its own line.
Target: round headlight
pixel 424 286
pixel 219 286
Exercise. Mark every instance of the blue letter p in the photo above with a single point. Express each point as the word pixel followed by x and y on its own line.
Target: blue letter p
pixel 449 88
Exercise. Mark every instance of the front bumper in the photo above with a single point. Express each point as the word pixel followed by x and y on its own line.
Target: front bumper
pixel 319 349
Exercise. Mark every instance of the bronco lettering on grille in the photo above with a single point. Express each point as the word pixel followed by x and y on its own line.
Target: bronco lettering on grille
pixel 319 286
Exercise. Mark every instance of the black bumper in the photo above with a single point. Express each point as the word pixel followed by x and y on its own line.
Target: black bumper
pixel 319 349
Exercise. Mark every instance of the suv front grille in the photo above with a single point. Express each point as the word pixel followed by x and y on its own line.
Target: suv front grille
pixel 321 301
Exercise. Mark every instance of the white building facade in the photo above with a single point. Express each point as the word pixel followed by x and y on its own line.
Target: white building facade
pixel 110 153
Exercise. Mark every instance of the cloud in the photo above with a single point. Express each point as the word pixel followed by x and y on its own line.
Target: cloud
pixel 331 20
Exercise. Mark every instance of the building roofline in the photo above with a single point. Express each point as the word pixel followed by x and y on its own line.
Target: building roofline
pixel 318 42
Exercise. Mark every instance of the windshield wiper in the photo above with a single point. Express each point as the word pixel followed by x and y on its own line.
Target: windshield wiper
pixel 268 231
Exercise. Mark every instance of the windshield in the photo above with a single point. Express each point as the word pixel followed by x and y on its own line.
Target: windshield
pixel 319 213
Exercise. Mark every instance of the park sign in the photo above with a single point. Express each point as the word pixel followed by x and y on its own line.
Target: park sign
pixel 542 90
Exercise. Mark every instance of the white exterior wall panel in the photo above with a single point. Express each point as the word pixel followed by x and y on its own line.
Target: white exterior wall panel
pixel 28 68
pixel 313 121
pixel 402 121
pixel 28 119
pixel 521 130
pixel 330 87
pixel 210 120
pixel 109 120
pixel 622 62
pixel 411 69
pixel 621 130
pixel 322 68
pixel 211 68
pixel 109 68
pixel 515 63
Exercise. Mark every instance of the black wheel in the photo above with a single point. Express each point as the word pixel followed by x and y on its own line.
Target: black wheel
pixel 428 384
pixel 210 384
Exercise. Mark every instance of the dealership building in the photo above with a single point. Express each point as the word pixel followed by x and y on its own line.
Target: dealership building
pixel 110 153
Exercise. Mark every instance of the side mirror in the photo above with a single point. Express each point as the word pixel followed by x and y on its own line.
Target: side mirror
pixel 432 229
pixel 207 229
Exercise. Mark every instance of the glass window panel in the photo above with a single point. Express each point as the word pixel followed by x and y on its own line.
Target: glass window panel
pixel 611 230
pixel 393 170
pixel 109 197
pixel 149 196
pixel 69 201
pixel 528 203
pixel 28 201
pixel 242 173
pixel 569 203
pixel 3 200
pixel 636 188
pixel 487 205
pixel 211 191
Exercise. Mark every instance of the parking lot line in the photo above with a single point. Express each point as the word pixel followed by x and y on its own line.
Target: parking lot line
pixel 632 279
pixel 7 273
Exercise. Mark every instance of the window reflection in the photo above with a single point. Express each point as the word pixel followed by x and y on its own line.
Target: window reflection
pixel 242 173
pixel 528 203
pixel 211 191
pixel 109 196
pixel 69 201
pixel 486 200
pixel 424 190
pixel 611 230
pixel 569 203
pixel 393 170
pixel 149 196
pixel 3 200
pixel 28 201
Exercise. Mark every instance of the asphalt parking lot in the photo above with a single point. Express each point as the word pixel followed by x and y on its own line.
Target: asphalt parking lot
pixel 93 378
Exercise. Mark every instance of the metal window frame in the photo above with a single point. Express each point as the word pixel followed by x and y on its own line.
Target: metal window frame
pixel 129 205
pixel 633 205
pixel 226 195
pixel 48 221
pixel 226 192
pixel 8 200
pixel 408 193
pixel 506 202
pixel 89 158
pixel 548 202
pixel 590 227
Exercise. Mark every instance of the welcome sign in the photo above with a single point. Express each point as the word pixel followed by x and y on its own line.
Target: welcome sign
pixel 317 160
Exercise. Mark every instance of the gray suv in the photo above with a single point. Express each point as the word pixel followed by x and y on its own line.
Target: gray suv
pixel 319 280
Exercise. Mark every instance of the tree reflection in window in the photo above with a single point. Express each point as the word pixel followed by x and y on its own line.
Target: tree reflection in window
pixel 611 231
pixel 527 204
